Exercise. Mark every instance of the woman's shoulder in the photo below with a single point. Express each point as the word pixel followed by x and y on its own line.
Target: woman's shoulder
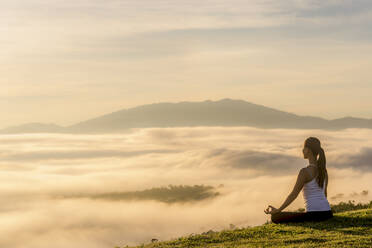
pixel 304 173
pixel 307 173
pixel 307 169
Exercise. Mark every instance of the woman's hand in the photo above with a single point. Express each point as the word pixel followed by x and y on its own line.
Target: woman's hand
pixel 272 211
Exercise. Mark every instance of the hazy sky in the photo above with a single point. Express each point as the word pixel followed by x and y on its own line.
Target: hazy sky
pixel 66 61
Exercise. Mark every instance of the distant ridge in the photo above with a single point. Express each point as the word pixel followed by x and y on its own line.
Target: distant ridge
pixel 224 112
pixel 33 128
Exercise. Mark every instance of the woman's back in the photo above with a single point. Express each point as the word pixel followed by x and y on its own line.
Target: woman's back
pixel 314 196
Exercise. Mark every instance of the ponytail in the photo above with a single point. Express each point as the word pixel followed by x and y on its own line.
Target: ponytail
pixel 314 145
pixel 322 171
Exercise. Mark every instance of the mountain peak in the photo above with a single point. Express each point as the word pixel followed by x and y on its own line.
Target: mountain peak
pixel 223 112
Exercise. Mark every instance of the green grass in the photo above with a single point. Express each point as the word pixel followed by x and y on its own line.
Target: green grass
pixel 345 229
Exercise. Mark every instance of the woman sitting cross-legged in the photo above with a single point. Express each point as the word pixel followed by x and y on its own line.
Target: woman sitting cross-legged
pixel 313 179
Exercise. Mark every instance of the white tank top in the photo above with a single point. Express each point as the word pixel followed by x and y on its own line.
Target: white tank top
pixel 314 197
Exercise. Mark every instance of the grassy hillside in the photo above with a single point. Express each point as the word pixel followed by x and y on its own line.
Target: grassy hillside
pixel 346 229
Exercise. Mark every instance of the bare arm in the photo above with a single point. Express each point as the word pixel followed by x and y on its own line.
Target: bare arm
pixel 326 184
pixel 296 189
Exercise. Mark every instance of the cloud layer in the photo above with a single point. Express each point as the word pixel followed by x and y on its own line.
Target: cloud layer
pixel 115 186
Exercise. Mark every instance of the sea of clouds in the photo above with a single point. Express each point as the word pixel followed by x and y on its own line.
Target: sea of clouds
pixel 61 190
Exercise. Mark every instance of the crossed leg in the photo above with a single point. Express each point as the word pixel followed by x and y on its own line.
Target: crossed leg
pixel 284 217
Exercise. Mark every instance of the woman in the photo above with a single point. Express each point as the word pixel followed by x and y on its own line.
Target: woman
pixel 313 179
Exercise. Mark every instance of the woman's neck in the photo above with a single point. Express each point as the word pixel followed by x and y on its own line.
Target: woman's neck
pixel 312 161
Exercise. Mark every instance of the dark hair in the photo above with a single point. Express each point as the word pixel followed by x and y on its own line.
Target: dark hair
pixel 314 145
